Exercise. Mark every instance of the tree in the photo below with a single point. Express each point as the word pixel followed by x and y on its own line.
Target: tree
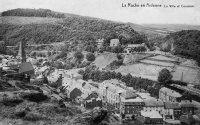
pixel 119 76
pixel 2 47
pixel 78 55
pixel 118 49
pixel 164 76
pixel 90 57
pixel 90 48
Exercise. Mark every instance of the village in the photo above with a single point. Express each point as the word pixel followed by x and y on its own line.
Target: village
pixel 174 104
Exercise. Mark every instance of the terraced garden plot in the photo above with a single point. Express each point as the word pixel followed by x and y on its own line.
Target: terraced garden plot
pixel 163 58
pixel 159 63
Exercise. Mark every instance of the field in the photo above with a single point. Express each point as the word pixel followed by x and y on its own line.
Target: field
pixel 104 59
pixel 142 70
pixel 154 62
pixel 163 58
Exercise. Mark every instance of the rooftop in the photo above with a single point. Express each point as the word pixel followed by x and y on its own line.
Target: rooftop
pixel 135 45
pixel 137 99
pixel 151 114
pixel 170 92
pixel 170 105
pixel 153 102
pixel 117 86
pixel 143 95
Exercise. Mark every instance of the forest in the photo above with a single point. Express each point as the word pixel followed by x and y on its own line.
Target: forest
pixel 33 13
pixel 82 29
pixel 187 44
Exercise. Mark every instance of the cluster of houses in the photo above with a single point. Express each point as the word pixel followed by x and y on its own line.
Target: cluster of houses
pixel 129 48
pixel 116 96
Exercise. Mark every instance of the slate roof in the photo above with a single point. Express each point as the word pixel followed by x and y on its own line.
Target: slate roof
pixel 26 67
pixel 151 114
pixel 170 92
pixel 153 102
pixel 171 105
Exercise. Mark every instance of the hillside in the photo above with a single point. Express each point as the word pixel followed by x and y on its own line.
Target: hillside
pixel 185 43
pixel 173 27
pixel 150 32
pixel 33 13
pixel 48 29
pixel 19 20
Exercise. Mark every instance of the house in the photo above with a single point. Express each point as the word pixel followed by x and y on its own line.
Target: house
pixel 99 43
pixel 114 42
pixel 172 111
pixel 88 88
pixel 187 107
pixel 133 106
pixel 153 104
pixel 168 95
pixel 93 102
pixel 135 48
pixel 150 118
pixel 115 92
pixel 26 68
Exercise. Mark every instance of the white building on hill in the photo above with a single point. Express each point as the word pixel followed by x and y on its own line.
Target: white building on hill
pixel 114 42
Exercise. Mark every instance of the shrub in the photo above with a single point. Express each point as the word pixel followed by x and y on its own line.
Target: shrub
pixel 12 101
pixel 90 57
pixel 78 55
pixel 58 65
pixel 35 97
pixel 33 117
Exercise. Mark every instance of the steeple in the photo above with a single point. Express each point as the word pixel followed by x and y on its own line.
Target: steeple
pixel 21 52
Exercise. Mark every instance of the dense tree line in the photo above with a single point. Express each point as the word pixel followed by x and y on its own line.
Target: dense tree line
pixel 139 49
pixel 32 13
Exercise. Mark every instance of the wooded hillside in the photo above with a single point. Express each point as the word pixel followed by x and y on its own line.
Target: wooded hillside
pixel 32 13
pixel 186 43
pixel 71 28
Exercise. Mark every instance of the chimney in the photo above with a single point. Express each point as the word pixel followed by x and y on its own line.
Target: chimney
pixel 21 52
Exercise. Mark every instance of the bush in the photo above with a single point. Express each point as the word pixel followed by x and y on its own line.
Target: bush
pixel 90 57
pixel 35 97
pixel 12 101
pixel 33 117
pixel 83 64
pixel 58 65
pixel 78 55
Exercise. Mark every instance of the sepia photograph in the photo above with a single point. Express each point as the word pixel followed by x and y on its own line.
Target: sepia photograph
pixel 99 62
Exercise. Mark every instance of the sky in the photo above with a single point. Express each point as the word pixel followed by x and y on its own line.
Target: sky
pixel 113 10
